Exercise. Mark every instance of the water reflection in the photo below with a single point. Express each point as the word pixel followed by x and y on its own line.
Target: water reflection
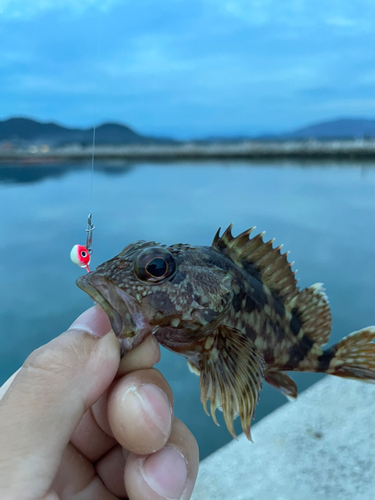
pixel 324 214
pixel 29 174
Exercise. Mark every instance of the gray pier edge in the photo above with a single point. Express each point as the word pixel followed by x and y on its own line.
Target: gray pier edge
pixel 320 447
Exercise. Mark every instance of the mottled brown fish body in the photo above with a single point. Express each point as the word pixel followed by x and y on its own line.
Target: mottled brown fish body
pixel 234 311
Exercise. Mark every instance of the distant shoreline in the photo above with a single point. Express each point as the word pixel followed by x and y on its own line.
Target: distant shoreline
pixel 247 150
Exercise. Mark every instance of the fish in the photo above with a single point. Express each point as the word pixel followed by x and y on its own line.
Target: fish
pixel 234 311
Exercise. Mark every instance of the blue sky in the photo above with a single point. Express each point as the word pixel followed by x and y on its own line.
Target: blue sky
pixel 188 68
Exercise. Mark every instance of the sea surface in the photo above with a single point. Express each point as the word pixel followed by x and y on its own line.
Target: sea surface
pixel 324 213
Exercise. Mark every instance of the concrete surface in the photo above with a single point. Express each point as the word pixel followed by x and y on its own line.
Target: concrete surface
pixel 320 447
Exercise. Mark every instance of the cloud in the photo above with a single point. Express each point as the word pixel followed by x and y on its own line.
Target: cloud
pixel 342 22
pixel 188 67
pixel 299 13
pixel 28 9
pixel 151 55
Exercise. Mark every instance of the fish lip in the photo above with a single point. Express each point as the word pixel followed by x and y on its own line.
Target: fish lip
pixel 117 304
pixel 113 315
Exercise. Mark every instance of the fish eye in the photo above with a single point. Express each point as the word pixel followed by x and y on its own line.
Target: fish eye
pixel 83 253
pixel 154 265
pixel 157 268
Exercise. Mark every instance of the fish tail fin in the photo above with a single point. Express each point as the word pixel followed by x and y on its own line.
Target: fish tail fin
pixel 352 357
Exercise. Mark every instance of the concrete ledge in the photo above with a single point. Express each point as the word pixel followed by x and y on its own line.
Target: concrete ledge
pixel 320 447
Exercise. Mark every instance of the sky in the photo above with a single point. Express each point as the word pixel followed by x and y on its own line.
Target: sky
pixel 188 68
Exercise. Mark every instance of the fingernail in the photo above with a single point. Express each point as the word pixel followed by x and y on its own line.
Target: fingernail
pixel 93 321
pixel 165 472
pixel 157 405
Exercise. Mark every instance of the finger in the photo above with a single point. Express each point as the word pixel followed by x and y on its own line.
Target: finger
pixel 145 355
pixel 76 479
pixel 7 384
pixel 47 399
pixel 170 473
pixel 50 495
pixel 111 469
pixel 90 439
pixel 140 411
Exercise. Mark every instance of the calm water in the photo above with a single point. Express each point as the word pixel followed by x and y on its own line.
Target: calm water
pixel 324 214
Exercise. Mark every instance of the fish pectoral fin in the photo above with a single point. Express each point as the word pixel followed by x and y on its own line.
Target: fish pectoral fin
pixel 282 382
pixel 193 368
pixel 232 369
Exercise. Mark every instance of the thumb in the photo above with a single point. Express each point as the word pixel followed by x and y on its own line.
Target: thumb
pixel 47 399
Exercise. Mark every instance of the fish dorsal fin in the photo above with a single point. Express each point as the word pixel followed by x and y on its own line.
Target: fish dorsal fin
pixel 312 310
pixel 273 267
pixel 309 306
pixel 231 373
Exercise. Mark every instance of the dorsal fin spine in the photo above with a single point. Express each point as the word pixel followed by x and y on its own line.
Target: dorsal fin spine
pixel 278 264
pixel 253 244
pixel 275 272
pixel 288 289
pixel 216 237
pixel 243 238
pixel 258 253
pixel 268 258
pixel 227 235
pixel 268 261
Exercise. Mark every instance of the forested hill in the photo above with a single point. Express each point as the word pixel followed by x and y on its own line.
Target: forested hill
pixel 341 128
pixel 25 130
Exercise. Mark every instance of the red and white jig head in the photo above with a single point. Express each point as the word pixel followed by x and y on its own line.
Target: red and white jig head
pixel 81 255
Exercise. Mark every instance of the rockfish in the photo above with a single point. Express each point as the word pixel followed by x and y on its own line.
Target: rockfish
pixel 234 311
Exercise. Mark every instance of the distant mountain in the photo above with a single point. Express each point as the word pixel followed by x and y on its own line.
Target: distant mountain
pixel 27 131
pixel 341 128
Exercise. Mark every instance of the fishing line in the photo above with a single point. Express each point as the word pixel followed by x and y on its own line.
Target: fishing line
pixel 81 255
pixel 95 113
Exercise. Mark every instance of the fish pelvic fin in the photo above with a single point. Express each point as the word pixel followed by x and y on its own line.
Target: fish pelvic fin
pixel 353 357
pixel 282 382
pixel 231 373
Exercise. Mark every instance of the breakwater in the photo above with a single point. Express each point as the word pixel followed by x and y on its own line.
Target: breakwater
pixel 250 149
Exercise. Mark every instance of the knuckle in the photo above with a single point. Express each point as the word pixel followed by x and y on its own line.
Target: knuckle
pixel 53 359
pixel 44 359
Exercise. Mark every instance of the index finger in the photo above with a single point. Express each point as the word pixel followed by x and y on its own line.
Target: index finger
pixel 46 400
pixel 7 384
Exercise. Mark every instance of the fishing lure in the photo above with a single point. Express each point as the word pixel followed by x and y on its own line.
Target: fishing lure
pixel 81 255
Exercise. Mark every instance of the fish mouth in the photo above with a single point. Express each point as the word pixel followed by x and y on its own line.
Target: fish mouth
pixel 129 323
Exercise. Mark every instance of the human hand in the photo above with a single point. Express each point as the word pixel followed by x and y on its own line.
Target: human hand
pixel 78 423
